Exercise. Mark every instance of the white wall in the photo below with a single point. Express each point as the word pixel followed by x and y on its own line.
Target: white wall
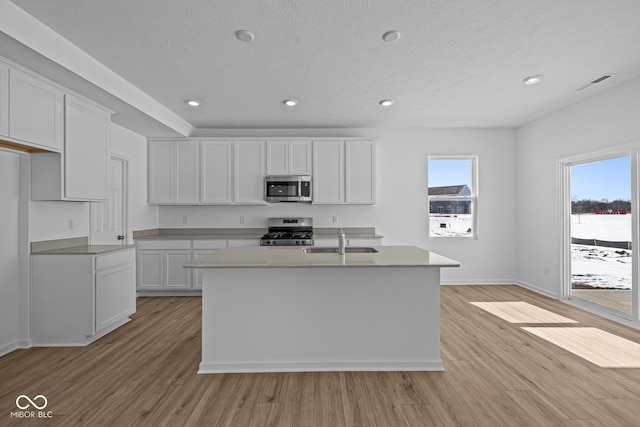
pixel 602 122
pixel 400 213
pixel 9 251
pixel 49 220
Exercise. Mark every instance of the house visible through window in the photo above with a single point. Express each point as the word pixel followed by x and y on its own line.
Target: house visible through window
pixel 452 190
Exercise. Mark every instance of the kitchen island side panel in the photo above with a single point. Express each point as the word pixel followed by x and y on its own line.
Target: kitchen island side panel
pixel 321 319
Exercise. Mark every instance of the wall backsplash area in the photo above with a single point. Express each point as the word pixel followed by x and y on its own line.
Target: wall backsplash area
pixel 256 216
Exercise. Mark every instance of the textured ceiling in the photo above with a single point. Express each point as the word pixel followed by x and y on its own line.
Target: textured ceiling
pixel 458 63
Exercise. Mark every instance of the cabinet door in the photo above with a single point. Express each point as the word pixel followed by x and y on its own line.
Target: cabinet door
pixel 4 99
pixel 300 158
pixel 85 150
pixel 197 273
pixel 187 172
pixel 235 243
pixel 176 276
pixel 277 157
pixel 35 111
pixel 328 172
pixel 115 294
pixel 289 158
pixel 359 168
pixel 160 172
pixel 150 269
pixel 248 178
pixel 216 172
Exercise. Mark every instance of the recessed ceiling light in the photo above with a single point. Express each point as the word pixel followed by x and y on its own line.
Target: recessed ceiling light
pixel 391 36
pixel 290 102
pixel 531 80
pixel 192 102
pixel 244 35
pixel 387 102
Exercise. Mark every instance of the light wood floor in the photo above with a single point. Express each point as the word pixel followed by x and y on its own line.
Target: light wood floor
pixel 496 375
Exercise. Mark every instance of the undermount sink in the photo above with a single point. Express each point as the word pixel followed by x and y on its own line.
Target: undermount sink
pixel 349 250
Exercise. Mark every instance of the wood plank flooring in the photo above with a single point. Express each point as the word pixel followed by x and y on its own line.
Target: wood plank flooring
pixel 144 374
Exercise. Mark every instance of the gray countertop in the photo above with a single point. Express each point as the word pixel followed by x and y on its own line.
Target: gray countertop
pixel 85 250
pixel 295 257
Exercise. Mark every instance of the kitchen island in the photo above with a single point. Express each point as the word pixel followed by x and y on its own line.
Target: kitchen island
pixel 279 309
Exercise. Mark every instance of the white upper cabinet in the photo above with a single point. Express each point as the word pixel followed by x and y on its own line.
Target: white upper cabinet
pixel 359 172
pixel 35 111
pixel 187 172
pixel 248 176
pixel 216 167
pixel 85 150
pixel 214 171
pixel 160 164
pixel 80 172
pixel 4 99
pixel 289 158
pixel 174 172
pixel 344 172
pixel 328 172
pixel 211 172
pixel 277 157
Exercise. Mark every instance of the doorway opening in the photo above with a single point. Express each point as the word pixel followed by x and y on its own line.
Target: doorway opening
pixel 600 200
pixel 110 220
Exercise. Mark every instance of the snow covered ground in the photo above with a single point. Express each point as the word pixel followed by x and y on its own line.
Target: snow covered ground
pixel 591 266
pixel 597 266
pixel 450 226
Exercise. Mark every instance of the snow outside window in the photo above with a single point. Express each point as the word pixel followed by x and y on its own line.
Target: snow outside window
pixel 452 194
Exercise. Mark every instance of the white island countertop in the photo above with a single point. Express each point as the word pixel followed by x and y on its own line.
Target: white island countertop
pixel 278 257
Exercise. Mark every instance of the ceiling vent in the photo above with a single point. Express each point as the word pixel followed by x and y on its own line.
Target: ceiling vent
pixel 593 82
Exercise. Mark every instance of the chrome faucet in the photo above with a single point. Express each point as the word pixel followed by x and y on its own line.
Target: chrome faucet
pixel 341 242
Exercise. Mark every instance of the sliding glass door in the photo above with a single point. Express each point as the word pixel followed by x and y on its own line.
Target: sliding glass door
pixel 600 233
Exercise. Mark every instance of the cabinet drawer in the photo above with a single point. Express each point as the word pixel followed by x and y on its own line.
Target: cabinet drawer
pixel 115 259
pixel 164 244
pixel 209 244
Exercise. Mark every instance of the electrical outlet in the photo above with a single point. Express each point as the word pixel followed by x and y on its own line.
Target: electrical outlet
pixel 185 219
pixel 71 224
pixel 546 271
pixel 242 219
pixel 335 219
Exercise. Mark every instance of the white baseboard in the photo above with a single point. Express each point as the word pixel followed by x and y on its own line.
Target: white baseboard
pixel 499 282
pixel 482 282
pixel 537 289
pixel 189 293
pixel 9 347
pixel 219 367
pixel 14 345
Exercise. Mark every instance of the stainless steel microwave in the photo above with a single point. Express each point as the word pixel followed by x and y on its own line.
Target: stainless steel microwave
pixel 287 188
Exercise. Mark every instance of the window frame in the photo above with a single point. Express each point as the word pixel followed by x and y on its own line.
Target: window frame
pixel 472 198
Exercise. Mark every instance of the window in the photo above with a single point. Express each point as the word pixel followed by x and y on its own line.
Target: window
pixel 452 194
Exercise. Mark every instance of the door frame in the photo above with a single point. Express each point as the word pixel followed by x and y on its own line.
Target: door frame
pixel 564 204
pixel 126 169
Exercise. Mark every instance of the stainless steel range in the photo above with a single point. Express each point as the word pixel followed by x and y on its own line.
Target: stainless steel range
pixel 288 232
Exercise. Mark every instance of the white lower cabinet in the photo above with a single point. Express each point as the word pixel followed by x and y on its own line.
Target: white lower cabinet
pixel 200 249
pixel 76 299
pixel 160 264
